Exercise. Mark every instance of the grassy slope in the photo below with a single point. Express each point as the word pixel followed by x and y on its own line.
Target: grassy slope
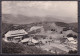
pixel 12 48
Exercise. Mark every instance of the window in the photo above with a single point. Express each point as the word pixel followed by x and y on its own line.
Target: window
pixel 10 38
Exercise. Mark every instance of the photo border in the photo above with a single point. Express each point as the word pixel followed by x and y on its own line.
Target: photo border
pixel 44 54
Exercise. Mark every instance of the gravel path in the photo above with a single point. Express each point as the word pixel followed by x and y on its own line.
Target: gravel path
pixel 59 47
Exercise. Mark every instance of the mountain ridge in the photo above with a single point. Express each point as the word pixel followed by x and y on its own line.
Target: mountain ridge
pixel 21 19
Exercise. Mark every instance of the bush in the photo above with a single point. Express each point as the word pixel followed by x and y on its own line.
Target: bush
pixel 62 40
pixel 11 48
pixel 72 52
pixel 74 36
pixel 52 29
pixel 61 32
pixel 70 35
pixel 65 29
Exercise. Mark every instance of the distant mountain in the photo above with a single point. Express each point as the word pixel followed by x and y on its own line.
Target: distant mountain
pixel 18 19
pixel 21 19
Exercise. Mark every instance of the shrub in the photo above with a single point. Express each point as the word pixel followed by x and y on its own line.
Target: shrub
pixel 61 32
pixel 11 48
pixel 72 52
pixel 65 29
pixel 74 36
pixel 70 35
pixel 62 40
pixel 52 29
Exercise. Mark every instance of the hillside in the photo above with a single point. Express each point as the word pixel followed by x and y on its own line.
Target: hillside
pixel 21 19
pixel 54 36
pixel 74 26
pixel 13 48
pixel 47 26
pixel 5 27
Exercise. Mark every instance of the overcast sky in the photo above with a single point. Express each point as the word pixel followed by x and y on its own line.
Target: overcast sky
pixel 64 10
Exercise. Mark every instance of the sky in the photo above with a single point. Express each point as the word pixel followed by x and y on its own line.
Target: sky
pixel 64 10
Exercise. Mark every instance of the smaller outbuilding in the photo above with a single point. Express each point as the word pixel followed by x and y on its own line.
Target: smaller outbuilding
pixel 36 29
pixel 72 40
pixel 29 41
